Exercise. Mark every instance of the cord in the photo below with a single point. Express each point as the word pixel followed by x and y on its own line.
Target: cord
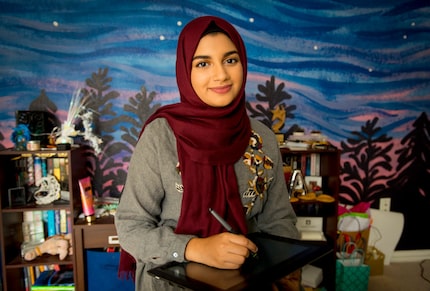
pixel 422 270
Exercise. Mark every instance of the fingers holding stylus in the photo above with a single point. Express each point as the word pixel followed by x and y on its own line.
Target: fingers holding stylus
pixel 224 250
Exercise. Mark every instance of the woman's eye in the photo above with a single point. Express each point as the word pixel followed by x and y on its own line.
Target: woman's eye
pixel 201 64
pixel 232 61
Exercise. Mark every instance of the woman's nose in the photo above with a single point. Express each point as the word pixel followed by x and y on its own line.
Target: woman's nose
pixel 220 73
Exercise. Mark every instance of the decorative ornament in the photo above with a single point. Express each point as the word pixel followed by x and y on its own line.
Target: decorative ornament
pixel 20 136
pixel 278 118
pixel 78 110
pixel 49 190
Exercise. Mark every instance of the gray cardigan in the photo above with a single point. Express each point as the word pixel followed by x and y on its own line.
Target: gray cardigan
pixel 151 200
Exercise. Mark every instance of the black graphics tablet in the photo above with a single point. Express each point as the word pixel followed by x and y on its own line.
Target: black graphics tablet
pixel 277 257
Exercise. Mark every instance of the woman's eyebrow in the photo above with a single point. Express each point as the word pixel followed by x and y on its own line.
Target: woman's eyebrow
pixel 208 57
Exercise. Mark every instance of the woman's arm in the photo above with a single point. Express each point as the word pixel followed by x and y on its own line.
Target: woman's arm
pixel 150 203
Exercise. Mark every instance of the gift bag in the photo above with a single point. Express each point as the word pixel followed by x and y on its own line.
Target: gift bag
pixel 353 227
pixel 351 278
pixel 375 260
pixel 351 272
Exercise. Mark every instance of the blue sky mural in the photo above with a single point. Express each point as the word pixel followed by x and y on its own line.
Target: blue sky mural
pixel 344 63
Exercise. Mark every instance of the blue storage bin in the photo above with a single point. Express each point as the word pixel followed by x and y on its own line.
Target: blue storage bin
pixel 102 272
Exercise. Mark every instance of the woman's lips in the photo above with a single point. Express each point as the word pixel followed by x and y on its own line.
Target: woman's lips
pixel 221 89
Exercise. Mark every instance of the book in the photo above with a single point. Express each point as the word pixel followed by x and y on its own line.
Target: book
pixel 51 222
pixel 56 168
pixel 57 221
pixel 314 164
pixel 63 221
pixel 60 280
pixel 296 145
pixel 33 229
pixel 50 288
pixel 64 175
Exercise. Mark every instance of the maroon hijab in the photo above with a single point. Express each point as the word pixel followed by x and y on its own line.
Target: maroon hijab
pixel 209 140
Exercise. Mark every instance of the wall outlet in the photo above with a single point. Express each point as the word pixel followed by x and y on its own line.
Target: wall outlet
pixel 385 204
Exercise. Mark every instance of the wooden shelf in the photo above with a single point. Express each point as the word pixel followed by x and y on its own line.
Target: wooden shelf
pixel 329 170
pixel 11 217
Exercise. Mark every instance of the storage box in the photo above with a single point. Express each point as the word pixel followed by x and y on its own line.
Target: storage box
pixel 310 228
pixel 311 276
pixel 305 223
pixel 102 272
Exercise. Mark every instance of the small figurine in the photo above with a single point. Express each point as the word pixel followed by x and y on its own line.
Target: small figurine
pixel 20 136
pixel 279 115
pixel 60 245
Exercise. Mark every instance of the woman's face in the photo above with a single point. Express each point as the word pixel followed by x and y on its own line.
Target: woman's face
pixel 216 73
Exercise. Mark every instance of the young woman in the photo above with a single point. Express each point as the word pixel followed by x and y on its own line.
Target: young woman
pixel 203 153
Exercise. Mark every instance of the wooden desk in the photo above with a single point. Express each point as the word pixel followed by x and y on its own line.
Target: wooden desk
pixel 99 234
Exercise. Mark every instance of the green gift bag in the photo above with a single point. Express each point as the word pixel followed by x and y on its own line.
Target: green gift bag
pixel 351 278
pixel 351 273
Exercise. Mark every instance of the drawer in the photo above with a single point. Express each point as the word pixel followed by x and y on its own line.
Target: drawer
pixel 99 236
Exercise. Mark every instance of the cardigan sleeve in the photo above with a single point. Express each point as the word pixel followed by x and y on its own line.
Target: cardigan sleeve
pixel 150 202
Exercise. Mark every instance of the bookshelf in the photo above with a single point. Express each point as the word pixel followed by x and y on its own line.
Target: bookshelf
pixel 322 165
pixel 17 205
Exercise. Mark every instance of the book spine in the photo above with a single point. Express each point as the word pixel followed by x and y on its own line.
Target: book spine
pixel 37 170
pixel 26 279
pixel 56 168
pixel 44 167
pixel 30 171
pixel 51 222
pixel 69 221
pixel 63 174
pixel 50 166
pixel 63 221
pixel 57 221
pixel 317 164
pixel 303 164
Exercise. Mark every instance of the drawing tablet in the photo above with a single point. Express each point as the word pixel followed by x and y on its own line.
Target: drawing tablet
pixel 277 257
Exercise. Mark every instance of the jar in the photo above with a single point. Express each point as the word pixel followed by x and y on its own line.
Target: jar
pixel 33 145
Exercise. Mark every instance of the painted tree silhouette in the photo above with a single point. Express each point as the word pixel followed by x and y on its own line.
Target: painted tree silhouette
pixel 108 175
pixel 411 187
pixel 43 103
pixel 364 175
pixel 140 109
pixel 2 147
pixel 272 96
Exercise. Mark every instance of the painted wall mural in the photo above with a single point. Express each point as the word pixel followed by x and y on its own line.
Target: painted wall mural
pixel 358 71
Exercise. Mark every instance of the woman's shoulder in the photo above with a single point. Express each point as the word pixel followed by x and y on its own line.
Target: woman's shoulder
pixel 267 135
pixel 261 128
pixel 158 131
pixel 158 124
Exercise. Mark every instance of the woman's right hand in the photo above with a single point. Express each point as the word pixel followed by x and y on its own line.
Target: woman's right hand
pixel 224 250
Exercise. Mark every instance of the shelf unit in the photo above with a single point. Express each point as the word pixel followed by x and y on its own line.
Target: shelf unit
pixel 11 218
pixel 329 171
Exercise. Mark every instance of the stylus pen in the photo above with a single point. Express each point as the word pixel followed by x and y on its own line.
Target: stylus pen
pixel 222 221
pixel 227 226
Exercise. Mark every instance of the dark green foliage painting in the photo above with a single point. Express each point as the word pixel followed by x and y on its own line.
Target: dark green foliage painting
pixel 357 71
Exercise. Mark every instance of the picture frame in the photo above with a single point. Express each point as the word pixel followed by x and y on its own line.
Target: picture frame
pixel 16 196
pixel 313 183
